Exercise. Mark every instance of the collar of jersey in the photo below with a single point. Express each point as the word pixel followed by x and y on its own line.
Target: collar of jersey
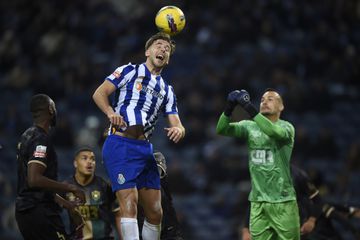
pixel 143 71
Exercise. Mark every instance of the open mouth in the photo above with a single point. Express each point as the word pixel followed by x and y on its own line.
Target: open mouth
pixel 160 57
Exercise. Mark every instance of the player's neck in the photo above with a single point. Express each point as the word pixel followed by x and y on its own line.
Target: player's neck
pixel 82 179
pixel 152 69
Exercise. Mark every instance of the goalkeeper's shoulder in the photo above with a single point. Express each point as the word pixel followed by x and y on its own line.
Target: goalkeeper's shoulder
pixel 287 125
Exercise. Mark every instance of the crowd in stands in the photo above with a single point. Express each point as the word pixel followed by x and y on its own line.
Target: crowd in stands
pixel 308 50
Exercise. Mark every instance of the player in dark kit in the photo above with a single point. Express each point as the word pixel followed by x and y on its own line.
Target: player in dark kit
pixel 37 211
pixel 97 211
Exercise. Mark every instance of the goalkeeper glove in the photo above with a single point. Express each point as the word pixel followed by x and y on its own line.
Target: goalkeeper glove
pixel 231 102
pixel 243 98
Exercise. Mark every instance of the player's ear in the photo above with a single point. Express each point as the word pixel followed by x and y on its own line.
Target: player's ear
pixel 147 53
pixel 51 109
pixel 281 107
pixel 75 164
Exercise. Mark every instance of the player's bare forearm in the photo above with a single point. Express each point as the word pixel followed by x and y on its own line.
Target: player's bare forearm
pixel 176 131
pixel 36 179
pixel 51 185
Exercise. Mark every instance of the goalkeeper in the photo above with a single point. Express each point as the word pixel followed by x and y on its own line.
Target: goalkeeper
pixel 274 212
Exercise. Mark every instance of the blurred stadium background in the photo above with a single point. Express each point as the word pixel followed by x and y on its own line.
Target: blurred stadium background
pixel 308 50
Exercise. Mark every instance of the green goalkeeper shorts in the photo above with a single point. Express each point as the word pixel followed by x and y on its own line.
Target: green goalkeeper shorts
pixel 270 221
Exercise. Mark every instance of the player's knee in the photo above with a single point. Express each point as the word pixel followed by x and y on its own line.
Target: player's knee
pixel 128 208
pixel 154 213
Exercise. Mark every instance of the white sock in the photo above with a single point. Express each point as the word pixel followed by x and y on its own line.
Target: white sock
pixel 150 231
pixel 129 229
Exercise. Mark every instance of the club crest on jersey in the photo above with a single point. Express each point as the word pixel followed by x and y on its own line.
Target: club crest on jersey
pixel 138 86
pixel 70 196
pixel 120 179
pixel 95 195
pixel 40 151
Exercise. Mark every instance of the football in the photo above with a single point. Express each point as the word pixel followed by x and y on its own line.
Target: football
pixel 170 20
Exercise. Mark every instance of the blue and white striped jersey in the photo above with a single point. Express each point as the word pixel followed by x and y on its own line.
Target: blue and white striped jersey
pixel 141 96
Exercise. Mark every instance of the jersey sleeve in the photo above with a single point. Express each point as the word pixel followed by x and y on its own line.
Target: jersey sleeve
pixel 122 75
pixel 171 103
pixel 285 132
pixel 39 151
pixel 233 129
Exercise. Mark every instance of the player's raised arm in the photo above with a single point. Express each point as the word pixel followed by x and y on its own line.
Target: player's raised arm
pixel 271 107
pixel 224 126
pixel 285 132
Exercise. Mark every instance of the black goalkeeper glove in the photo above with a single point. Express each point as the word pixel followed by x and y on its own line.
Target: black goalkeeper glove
pixel 243 98
pixel 231 102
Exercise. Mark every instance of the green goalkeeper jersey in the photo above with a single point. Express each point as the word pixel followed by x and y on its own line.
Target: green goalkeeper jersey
pixel 270 146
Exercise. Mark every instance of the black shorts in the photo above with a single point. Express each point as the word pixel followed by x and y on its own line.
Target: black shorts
pixel 41 223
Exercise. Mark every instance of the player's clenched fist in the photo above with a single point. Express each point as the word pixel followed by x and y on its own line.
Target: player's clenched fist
pixel 231 102
pixel 243 98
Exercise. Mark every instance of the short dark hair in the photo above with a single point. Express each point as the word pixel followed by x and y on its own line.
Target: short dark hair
pixel 163 36
pixel 274 90
pixel 82 149
pixel 39 104
pixel 271 90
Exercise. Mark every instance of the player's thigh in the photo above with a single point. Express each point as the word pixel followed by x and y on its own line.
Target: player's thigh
pixel 121 167
pixel 285 220
pixel 259 223
pixel 267 234
pixel 150 200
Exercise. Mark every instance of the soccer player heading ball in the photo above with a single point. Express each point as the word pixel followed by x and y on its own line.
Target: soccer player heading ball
pixel 141 95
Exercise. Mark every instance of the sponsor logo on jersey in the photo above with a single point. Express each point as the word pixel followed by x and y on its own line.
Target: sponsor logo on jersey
pixel 40 151
pixel 145 89
pixel 120 179
pixel 95 195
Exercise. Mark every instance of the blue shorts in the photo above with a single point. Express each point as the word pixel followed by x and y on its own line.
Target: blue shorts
pixel 130 163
